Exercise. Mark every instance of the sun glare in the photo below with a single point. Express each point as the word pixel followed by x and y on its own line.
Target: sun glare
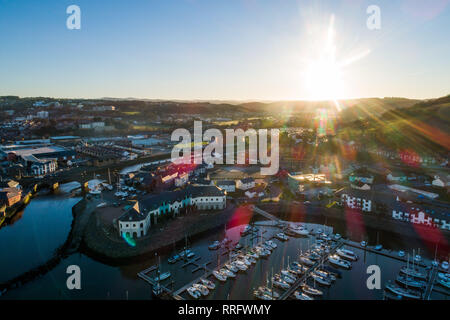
pixel 323 74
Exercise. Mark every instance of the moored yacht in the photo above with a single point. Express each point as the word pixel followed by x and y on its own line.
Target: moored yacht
pixel 208 283
pixel 302 296
pixel 279 282
pixel 232 267
pixel 325 274
pixel 347 254
pixel 288 274
pixel 228 273
pixel 444 282
pixel 194 292
pixel 336 261
pixel 311 291
pixel 271 243
pixel 305 261
pixel 413 272
pixel 202 288
pixel 261 295
pixel 269 292
pixel 403 291
pixel 162 276
pixel 363 244
pixel 281 236
pixel 173 259
pixel 410 282
pixel 219 276
pixel 239 265
pixel 320 280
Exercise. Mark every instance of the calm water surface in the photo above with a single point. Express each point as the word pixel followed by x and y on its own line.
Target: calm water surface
pixel 45 224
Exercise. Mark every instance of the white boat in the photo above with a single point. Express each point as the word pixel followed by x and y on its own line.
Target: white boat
pixel 250 259
pixel 417 258
pixel 320 280
pixel 336 261
pixel 202 288
pixel 271 243
pixel 279 282
pixel 311 291
pixel 244 260
pixel 232 267
pixel 444 265
pixel 305 261
pixel 347 254
pixel 337 236
pixel 403 292
pixel 239 266
pixel 281 236
pixel 194 292
pixel 363 244
pixel 271 293
pixel 228 273
pixel 261 295
pixel 102 205
pixel 444 282
pixel 401 253
pixel 378 247
pixel 325 274
pixel 209 284
pixel 287 276
pixel 162 276
pixel 413 272
pixel 445 276
pixel 219 276
pixel 299 230
pixel 301 296
pixel 410 282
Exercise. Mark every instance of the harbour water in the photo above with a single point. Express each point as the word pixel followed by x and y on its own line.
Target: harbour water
pixel 45 224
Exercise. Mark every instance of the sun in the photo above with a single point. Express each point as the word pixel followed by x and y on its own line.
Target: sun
pixel 324 80
pixel 322 73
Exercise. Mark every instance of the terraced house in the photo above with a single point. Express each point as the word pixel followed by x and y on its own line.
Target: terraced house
pixel 136 221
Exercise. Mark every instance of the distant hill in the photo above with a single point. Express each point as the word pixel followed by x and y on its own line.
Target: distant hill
pixel 424 125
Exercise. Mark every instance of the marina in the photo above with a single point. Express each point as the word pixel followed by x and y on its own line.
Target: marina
pixel 319 279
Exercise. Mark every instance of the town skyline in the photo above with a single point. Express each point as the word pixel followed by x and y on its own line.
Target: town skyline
pixel 239 50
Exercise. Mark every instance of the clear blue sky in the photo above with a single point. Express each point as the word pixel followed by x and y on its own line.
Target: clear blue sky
pixel 221 49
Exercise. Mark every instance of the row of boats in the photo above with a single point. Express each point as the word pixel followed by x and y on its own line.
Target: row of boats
pixel 321 274
pixel 202 288
pixel 240 262
pixel 185 254
pixel 411 282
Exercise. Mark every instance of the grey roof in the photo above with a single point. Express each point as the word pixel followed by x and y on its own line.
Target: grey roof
pixel 225 183
pixel 134 214
pixel 152 202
